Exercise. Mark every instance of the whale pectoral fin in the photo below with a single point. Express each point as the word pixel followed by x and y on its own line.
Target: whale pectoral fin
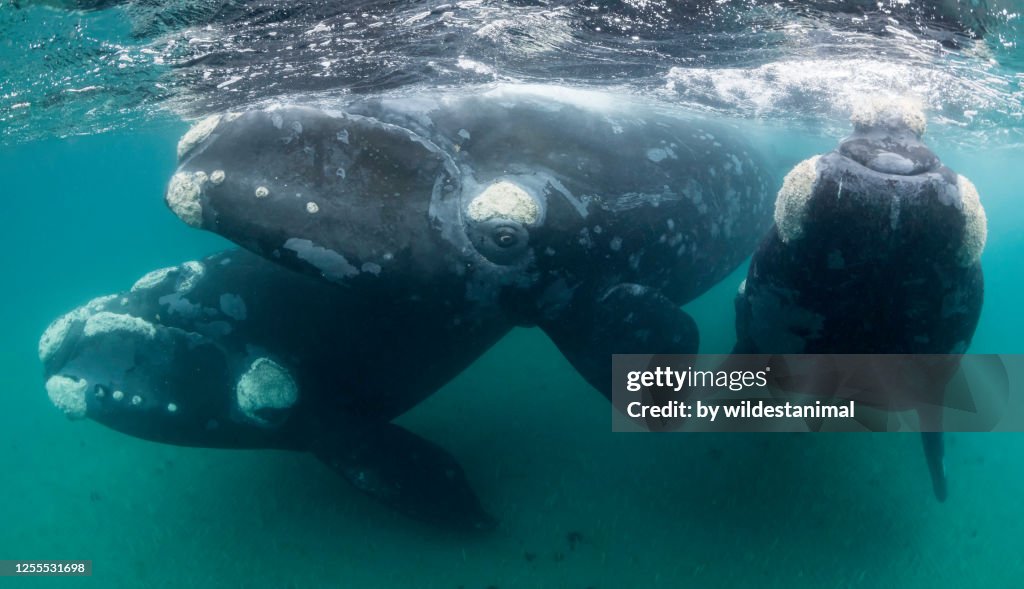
pixel 934 448
pixel 626 319
pixel 407 473
pixel 934 454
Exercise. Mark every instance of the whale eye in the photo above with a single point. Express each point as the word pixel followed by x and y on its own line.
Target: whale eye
pixel 506 237
pixel 501 241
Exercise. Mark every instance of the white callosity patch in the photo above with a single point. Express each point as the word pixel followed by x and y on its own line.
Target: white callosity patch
pixel 183 194
pixel 55 335
pixel 265 385
pixel 233 306
pixel 217 176
pixel 57 332
pixel 791 203
pixel 107 322
pixel 68 394
pixel 262 192
pixel 199 132
pixel 312 207
pixel 892 113
pixel 504 200
pixel 975 223
pixel 191 273
pixel 152 279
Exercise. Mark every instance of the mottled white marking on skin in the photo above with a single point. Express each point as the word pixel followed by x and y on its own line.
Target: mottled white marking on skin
pixel 277 120
pixel 262 192
pixel 197 134
pixel 737 163
pixel 791 203
pixel 67 394
pixel 341 173
pixel 233 306
pixel 656 154
pixel 183 197
pixel 615 244
pixel 177 304
pixel 107 322
pixel 975 223
pixel 504 200
pixel 172 408
pixel 265 385
pixel 217 176
pixel 371 268
pixel 893 113
pixel 117 395
pixel 136 400
pixel 152 279
pixel 743 287
pixel 329 262
pixel 894 212
pixel 584 239
pixel 464 134
pixel 312 208
pixel 343 136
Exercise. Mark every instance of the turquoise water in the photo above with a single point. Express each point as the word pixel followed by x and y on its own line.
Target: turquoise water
pixel 89 109
pixel 84 217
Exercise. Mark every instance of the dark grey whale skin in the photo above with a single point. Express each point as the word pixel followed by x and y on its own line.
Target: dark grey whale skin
pixel 357 362
pixel 635 210
pixel 878 269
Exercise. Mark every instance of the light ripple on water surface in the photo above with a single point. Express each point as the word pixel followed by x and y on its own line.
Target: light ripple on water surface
pixel 77 67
